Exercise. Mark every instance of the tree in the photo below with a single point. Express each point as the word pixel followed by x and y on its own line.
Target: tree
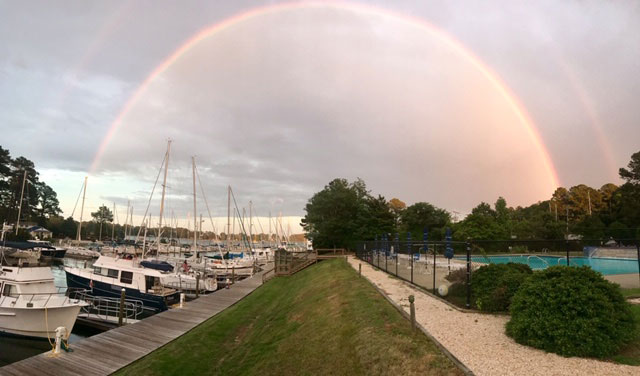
pixel 102 215
pixel 606 193
pixel 377 218
pixel 69 228
pixel 421 215
pixel 483 224
pixel 15 191
pixel 332 213
pixel 49 204
pixel 632 175
pixel 397 206
pixel 344 213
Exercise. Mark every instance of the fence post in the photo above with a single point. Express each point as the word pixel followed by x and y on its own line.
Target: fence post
pixel 410 253
pixel 360 269
pixel 386 250
pixel 412 309
pixel 567 244
pixel 435 249
pixel 378 245
pixel 638 249
pixel 197 285
pixel 397 249
pixel 468 275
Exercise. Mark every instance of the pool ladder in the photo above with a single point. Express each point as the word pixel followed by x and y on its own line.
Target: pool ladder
pixel 538 257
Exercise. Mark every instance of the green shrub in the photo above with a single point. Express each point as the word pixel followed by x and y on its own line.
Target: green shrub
pixel 494 285
pixel 571 311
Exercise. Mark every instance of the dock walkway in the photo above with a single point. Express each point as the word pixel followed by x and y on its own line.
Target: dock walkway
pixel 107 352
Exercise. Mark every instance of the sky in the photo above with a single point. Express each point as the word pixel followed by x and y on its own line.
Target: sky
pixel 449 102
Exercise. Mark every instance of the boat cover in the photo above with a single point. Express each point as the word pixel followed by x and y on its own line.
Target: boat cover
pixel 157 265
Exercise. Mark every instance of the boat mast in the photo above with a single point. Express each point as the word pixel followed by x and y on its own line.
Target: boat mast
pixel 228 218
pixel 24 180
pixel 164 188
pixel 195 216
pixel 84 193
pixel 113 227
pixel 250 226
pixel 269 228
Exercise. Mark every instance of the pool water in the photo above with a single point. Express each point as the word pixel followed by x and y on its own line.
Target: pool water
pixel 606 266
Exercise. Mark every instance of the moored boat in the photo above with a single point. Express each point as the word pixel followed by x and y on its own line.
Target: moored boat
pixel 30 304
pixel 109 275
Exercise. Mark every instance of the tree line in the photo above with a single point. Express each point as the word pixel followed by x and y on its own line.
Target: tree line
pixel 39 201
pixel 344 213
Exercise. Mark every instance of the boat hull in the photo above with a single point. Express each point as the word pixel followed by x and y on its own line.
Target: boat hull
pixel 152 303
pixel 53 253
pixel 37 322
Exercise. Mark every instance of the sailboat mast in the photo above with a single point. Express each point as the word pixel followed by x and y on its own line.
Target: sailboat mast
pixel 228 217
pixel 269 228
pixel 195 216
pixel 164 188
pixel 250 226
pixel 113 225
pixel 24 180
pixel 84 193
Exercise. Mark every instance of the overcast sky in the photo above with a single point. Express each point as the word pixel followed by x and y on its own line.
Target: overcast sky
pixel 281 103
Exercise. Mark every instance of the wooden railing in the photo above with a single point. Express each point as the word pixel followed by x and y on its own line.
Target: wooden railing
pixel 325 253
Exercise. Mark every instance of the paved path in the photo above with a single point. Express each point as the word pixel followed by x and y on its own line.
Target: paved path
pixel 107 352
pixel 479 340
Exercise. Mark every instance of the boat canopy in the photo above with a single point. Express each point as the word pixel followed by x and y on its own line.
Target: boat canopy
pixel 157 265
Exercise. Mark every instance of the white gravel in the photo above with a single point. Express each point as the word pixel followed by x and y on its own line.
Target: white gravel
pixel 479 340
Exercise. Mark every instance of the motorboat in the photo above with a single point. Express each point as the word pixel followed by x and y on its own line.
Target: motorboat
pixel 110 275
pixel 30 303
pixel 48 250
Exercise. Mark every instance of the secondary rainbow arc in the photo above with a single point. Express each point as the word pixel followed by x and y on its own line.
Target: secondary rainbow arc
pixel 421 24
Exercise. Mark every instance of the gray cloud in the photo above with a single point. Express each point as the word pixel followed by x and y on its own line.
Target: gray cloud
pixel 280 105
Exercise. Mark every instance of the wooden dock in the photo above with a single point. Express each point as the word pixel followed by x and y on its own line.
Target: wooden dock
pixel 107 352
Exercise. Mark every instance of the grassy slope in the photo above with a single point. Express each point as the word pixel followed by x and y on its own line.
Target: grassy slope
pixel 323 320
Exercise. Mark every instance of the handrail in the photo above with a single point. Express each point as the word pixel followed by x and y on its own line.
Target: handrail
pixel 102 306
pixel 32 297
pixel 543 260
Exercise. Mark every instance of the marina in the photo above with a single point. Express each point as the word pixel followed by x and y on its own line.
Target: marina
pixel 124 345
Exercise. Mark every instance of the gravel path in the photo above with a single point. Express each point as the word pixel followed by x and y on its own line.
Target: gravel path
pixel 479 341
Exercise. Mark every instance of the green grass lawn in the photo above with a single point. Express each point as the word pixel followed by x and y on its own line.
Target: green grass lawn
pixel 322 320
pixel 631 292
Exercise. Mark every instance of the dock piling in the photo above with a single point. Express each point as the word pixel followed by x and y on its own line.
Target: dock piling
pixel 121 312
pixel 412 309
pixel 197 285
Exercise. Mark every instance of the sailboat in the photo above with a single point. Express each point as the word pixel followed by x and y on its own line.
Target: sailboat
pixel 76 250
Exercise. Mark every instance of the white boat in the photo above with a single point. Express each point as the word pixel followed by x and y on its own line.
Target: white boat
pixel 31 305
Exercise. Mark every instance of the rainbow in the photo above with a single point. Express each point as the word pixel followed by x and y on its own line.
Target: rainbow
pixel 418 23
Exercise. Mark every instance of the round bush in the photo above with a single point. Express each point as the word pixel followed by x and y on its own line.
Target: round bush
pixel 494 285
pixel 571 311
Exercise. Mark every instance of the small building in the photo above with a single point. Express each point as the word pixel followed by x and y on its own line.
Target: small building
pixel 39 232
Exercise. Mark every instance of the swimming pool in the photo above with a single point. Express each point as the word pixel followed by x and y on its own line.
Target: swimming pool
pixel 606 266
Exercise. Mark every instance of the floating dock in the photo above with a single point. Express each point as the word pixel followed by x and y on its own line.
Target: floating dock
pixel 107 352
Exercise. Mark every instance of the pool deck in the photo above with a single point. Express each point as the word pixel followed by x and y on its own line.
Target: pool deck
pixel 626 281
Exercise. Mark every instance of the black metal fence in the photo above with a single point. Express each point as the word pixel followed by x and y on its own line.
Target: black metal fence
pixel 448 265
